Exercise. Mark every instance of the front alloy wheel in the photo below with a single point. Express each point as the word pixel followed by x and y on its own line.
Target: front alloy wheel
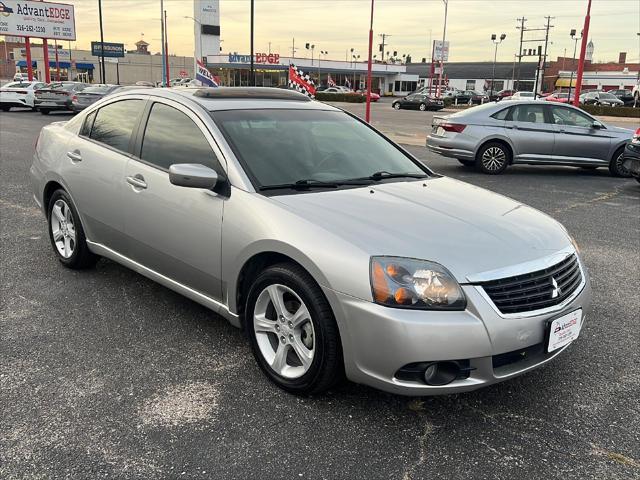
pixel 292 330
pixel 423 107
pixel 396 106
pixel 284 331
pixel 616 167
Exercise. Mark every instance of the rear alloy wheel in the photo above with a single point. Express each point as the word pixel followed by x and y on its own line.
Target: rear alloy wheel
pixel 615 166
pixel 66 233
pixel 292 330
pixel 493 158
pixel 396 106
pixel 422 107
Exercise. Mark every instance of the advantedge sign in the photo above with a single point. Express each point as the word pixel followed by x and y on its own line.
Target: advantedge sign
pixel 22 18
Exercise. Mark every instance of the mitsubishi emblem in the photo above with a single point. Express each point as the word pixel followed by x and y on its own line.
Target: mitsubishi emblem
pixel 556 290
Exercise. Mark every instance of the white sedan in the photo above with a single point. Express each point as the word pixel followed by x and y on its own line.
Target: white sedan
pixel 18 94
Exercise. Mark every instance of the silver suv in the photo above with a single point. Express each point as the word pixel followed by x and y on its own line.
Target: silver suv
pixel 495 135
pixel 333 248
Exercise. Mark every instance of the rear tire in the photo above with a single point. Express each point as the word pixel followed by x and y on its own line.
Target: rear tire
pixel 66 233
pixel 615 165
pixel 493 158
pixel 422 107
pixel 274 335
pixel 6 109
pixel 44 112
pixel 396 106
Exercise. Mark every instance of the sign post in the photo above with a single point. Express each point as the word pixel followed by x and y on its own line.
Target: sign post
pixel 27 46
pixel 45 59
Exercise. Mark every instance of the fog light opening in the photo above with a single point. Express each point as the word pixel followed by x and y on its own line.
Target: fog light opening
pixel 441 373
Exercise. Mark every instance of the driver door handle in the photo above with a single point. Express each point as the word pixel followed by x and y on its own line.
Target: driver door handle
pixel 137 181
pixel 75 156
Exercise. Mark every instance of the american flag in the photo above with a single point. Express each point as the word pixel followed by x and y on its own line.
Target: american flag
pixel 330 81
pixel 300 81
pixel 203 75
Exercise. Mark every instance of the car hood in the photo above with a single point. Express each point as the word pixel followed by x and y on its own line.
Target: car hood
pixel 624 132
pixel 467 229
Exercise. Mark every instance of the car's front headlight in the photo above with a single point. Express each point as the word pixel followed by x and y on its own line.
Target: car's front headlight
pixel 418 284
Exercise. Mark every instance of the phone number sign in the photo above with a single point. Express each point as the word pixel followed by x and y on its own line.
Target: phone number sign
pixel 37 19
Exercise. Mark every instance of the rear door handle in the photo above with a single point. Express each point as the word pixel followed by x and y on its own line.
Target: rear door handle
pixel 137 181
pixel 75 156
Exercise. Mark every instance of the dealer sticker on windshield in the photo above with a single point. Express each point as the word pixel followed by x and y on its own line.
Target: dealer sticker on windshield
pixel 564 330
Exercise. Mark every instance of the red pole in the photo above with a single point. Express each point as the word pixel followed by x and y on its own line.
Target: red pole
pixel 368 111
pixel 57 62
pixel 45 54
pixel 583 51
pixel 27 46
pixel 166 48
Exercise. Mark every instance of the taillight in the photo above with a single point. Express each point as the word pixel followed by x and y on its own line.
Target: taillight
pixel 636 136
pixel 74 98
pixel 452 127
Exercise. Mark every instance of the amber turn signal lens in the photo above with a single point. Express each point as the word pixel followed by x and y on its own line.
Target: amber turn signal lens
pixel 381 291
pixel 404 296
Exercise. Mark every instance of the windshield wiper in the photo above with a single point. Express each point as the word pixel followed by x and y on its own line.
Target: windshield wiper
pixel 310 183
pixel 382 175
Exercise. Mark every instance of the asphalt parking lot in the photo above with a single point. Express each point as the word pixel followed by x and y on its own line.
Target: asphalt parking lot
pixel 105 374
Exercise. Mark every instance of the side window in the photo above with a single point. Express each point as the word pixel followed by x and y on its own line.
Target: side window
pixel 172 137
pixel 501 115
pixel 571 117
pixel 85 131
pixel 114 123
pixel 527 113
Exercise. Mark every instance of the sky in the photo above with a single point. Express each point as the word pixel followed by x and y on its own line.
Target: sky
pixel 339 25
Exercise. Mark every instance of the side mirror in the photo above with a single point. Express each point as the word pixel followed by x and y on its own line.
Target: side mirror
pixel 192 175
pixel 597 125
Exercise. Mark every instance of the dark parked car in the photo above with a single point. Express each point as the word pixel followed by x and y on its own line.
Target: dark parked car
pixel 57 96
pixel 600 98
pixel 418 101
pixel 631 156
pixel 626 96
pixel 90 95
pixel 469 96
pixel 497 96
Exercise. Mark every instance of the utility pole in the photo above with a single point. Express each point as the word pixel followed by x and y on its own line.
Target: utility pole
pixel 252 80
pixel 583 51
pixel 164 65
pixel 293 48
pixel 444 37
pixel 384 37
pixel 521 28
pixel 102 72
pixel 544 55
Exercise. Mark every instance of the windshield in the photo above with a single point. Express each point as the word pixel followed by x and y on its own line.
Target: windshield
pixel 286 146
pixel 525 94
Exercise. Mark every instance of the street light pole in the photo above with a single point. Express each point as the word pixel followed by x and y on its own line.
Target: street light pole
pixel 252 80
pixel 495 56
pixel 575 47
pixel 102 69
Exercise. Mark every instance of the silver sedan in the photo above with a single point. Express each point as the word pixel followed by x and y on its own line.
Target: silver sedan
pixel 334 249
pixel 495 135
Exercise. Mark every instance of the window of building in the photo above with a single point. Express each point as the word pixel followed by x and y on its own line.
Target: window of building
pixel 115 122
pixel 172 137
pixel 471 85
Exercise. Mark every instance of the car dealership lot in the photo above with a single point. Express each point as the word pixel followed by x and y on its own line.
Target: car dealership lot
pixel 105 373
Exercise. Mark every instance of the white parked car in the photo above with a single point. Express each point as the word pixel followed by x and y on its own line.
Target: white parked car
pixel 19 94
pixel 24 77
pixel 522 96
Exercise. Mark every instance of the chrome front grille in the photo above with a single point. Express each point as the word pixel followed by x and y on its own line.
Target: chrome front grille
pixel 535 290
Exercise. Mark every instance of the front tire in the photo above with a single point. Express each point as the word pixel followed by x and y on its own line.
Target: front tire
pixel 422 107
pixel 493 158
pixel 66 233
pixel 396 106
pixel 292 330
pixel 615 165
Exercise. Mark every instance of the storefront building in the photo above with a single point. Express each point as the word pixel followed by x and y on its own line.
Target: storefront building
pixel 272 70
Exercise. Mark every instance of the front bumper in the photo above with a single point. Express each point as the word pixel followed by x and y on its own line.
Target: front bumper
pixel 378 341
pixel 631 159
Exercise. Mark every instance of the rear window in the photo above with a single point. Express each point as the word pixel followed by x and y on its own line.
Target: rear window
pixel 98 89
